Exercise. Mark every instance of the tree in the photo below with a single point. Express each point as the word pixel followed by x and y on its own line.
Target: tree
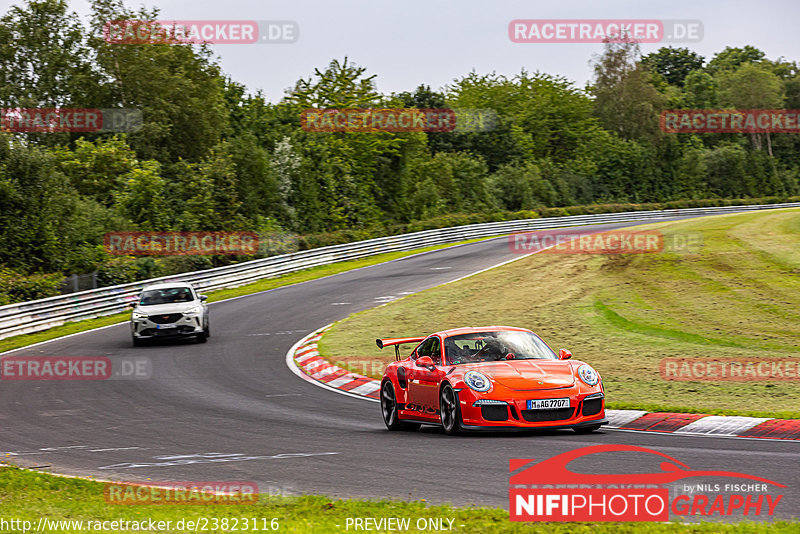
pixel 95 167
pixel 178 88
pixel 732 57
pixel 340 85
pixel 726 171
pixel 521 187
pixel 344 163
pixel 700 90
pixel 539 116
pixel 690 174
pixel 674 64
pixel 44 61
pixel 286 164
pixel 257 185
pixel 751 86
pixel 422 98
pixel 142 197
pixel 460 183
pixel 625 101
pixel 34 200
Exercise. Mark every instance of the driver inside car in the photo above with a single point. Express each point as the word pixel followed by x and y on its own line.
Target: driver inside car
pixel 493 349
pixel 456 354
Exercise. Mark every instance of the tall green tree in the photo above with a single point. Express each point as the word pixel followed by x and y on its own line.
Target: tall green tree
pixel 626 102
pixel 752 86
pixel 142 197
pixel 34 200
pixel 178 88
pixel 732 57
pixel 673 64
pixel 44 59
pixel 95 167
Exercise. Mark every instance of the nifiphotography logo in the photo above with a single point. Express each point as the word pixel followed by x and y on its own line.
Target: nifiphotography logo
pixel 549 491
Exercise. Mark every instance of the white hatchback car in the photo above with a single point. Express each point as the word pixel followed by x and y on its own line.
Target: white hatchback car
pixel 170 310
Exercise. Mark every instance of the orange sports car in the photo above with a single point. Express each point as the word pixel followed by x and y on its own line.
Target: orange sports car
pixel 494 377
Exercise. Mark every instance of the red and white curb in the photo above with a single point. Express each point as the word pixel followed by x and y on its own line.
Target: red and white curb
pixel 305 361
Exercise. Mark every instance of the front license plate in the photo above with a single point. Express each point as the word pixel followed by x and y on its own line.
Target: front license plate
pixel 548 404
pixel 165 326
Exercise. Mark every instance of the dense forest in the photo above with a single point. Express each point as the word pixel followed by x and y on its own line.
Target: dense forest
pixel 213 155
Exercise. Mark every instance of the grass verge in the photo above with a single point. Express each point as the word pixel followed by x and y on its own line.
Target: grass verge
pixel 222 294
pixel 30 496
pixel 737 297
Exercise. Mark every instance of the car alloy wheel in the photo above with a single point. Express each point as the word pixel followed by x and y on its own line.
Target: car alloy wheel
pixel 389 406
pixel 389 409
pixel 449 410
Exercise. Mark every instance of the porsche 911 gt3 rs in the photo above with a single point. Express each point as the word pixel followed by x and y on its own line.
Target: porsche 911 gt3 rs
pixel 495 377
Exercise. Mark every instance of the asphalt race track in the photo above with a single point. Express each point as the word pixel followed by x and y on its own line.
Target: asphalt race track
pixel 230 409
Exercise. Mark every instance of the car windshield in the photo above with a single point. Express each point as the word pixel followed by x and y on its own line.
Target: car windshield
pixel 170 295
pixel 497 345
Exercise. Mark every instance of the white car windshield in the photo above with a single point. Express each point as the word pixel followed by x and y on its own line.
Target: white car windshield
pixel 172 295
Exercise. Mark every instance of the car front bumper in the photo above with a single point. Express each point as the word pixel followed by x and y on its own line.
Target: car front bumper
pixel 187 325
pixel 585 409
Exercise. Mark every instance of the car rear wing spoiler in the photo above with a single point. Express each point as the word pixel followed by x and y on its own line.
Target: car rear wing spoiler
pixel 397 341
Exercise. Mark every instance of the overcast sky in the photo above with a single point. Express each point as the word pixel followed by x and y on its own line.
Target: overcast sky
pixel 409 42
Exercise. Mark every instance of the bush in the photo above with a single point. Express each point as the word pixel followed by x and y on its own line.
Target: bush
pixel 16 287
pixel 117 270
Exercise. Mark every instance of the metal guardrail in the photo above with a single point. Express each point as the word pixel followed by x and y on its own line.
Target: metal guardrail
pixel 37 315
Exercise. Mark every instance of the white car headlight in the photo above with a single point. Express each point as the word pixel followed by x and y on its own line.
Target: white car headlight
pixel 477 381
pixel 194 310
pixel 139 315
pixel 588 375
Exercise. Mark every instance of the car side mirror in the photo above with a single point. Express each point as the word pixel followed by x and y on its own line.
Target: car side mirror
pixel 426 362
pixel 204 297
pixel 133 303
pixel 564 354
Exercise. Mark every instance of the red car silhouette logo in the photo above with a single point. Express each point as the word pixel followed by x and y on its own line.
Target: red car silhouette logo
pixel 554 470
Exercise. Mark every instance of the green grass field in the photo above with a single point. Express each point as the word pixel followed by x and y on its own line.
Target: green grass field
pixel 738 297
pixel 31 496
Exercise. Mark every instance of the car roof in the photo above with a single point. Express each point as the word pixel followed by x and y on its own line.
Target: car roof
pixel 476 329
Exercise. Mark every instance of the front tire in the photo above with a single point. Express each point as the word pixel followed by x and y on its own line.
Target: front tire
pixel 450 411
pixel 136 341
pixel 389 409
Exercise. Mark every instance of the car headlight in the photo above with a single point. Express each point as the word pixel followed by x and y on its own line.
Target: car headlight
pixel 588 375
pixel 193 310
pixel 477 381
pixel 139 315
